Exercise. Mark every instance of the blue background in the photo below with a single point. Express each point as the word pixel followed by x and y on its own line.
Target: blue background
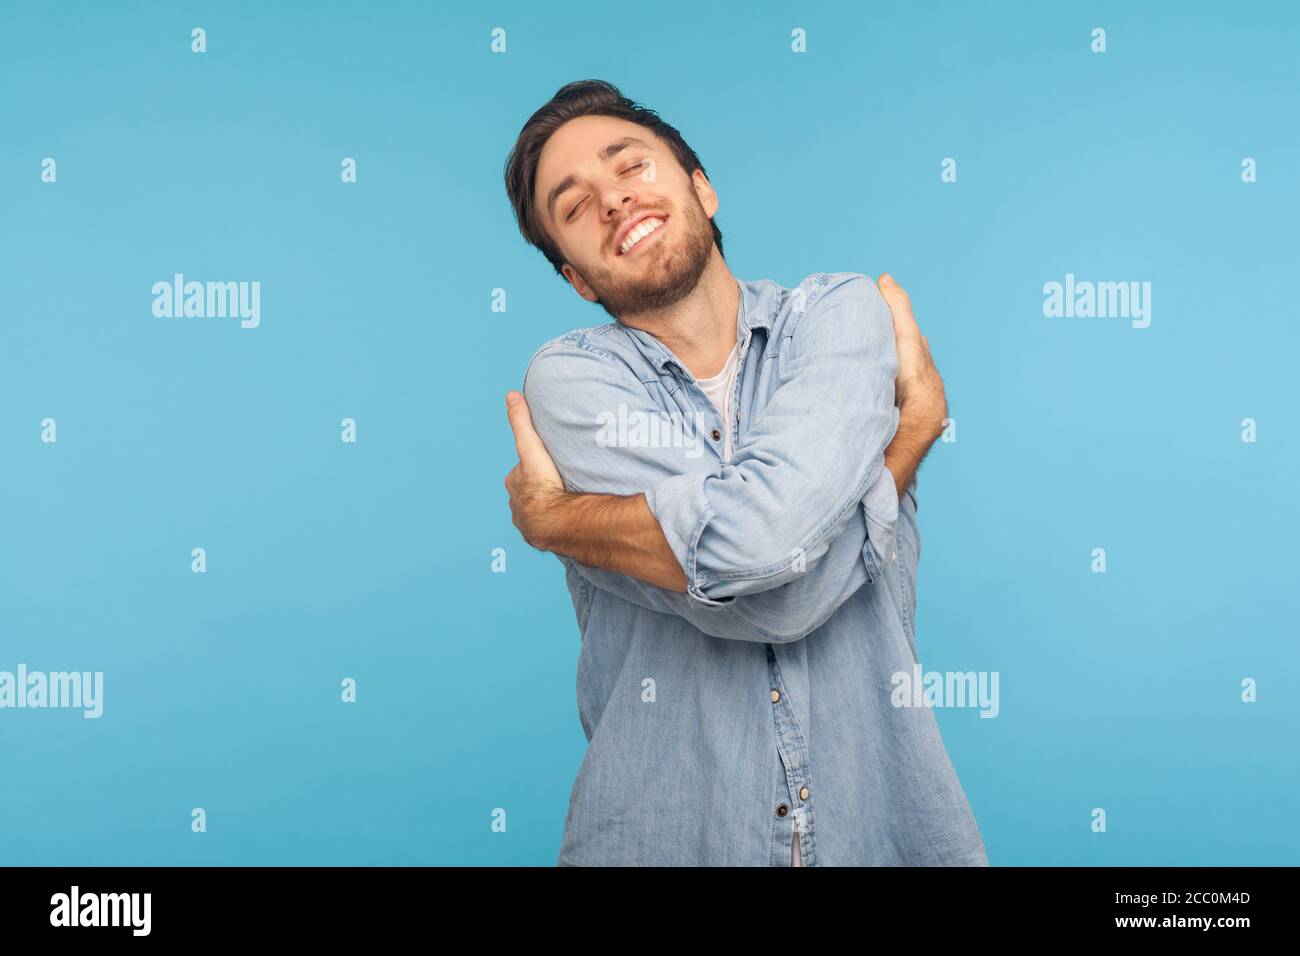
pixel 328 560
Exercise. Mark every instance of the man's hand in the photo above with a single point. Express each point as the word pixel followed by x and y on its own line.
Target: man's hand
pixel 918 390
pixel 534 484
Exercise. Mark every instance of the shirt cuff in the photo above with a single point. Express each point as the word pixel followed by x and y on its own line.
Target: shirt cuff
pixel 682 510
pixel 880 509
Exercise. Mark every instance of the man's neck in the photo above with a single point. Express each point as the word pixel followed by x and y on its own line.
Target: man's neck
pixel 700 329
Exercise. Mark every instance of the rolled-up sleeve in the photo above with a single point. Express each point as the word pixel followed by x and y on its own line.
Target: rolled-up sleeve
pixel 880 510
pixel 813 455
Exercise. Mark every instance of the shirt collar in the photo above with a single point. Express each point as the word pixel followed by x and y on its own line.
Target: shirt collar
pixel 750 316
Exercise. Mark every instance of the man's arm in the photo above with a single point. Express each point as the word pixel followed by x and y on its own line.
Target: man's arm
pixel 621 534
pixel 610 536
pixel 779 615
pixel 616 532
pixel 806 462
pixel 567 417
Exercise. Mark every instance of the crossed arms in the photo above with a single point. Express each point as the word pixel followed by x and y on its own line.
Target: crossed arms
pixel 768 545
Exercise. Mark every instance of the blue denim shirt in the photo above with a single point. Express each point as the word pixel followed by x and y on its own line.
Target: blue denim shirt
pixel 722 720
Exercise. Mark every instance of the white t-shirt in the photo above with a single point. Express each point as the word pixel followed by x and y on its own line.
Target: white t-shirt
pixel 720 387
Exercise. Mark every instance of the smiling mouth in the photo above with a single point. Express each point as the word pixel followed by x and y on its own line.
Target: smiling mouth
pixel 640 234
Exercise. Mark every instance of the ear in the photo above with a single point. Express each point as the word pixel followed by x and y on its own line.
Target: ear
pixel 704 190
pixel 584 290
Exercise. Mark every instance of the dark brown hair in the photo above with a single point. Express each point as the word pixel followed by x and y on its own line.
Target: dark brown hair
pixel 580 98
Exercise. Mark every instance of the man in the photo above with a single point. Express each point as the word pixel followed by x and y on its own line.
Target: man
pixel 726 472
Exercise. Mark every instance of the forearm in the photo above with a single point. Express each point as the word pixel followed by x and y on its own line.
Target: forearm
pixel 777 616
pixel 906 449
pixel 615 532
pixel 620 533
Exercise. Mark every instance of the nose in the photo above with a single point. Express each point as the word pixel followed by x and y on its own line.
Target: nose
pixel 617 208
pixel 620 198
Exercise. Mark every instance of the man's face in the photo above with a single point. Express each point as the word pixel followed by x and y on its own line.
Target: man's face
pixel 600 182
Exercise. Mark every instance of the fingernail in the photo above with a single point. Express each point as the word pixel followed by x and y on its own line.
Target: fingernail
pixel 886 279
pixel 512 398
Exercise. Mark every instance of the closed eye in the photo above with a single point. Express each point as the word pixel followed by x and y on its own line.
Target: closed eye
pixel 638 165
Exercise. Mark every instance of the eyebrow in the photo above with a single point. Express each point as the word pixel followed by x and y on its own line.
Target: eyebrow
pixel 605 155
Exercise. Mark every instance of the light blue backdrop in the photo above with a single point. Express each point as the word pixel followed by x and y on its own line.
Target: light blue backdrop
pixel 373 560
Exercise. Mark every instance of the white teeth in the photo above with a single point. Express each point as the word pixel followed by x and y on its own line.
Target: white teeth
pixel 643 229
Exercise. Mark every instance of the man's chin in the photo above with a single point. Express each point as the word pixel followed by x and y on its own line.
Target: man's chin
pixel 660 282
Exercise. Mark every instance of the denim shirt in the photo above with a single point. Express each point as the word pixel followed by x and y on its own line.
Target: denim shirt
pixel 755 706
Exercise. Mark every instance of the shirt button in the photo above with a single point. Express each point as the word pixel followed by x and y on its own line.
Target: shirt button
pixel 716 434
pixel 803 793
pixel 776 695
pixel 782 809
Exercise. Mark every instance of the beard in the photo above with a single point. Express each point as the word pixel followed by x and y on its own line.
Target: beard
pixel 670 273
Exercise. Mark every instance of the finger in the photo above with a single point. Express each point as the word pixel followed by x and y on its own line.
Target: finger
pixel 900 307
pixel 527 442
